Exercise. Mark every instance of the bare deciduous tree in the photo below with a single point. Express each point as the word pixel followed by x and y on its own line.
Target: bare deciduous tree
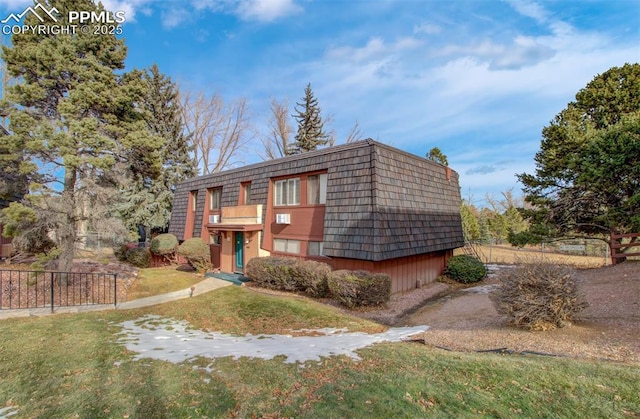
pixel 355 134
pixel 218 130
pixel 277 141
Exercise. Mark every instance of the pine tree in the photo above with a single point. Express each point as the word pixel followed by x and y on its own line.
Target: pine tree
pixel 79 118
pixel 148 198
pixel 310 133
pixel 437 156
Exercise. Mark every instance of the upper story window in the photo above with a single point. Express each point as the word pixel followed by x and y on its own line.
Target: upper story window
pixel 245 193
pixel 317 189
pixel 194 200
pixel 214 199
pixel 287 192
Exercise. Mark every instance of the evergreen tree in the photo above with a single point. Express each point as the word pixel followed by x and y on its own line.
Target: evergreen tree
pixel 438 156
pixel 310 133
pixel 587 169
pixel 148 198
pixel 79 119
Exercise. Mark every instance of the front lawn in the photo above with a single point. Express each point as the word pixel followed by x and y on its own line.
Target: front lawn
pixel 154 281
pixel 73 366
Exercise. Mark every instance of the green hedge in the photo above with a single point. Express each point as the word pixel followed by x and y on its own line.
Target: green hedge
pixel 272 272
pixel 164 244
pixel 360 288
pixel 465 269
pixel 139 257
pixel 197 253
pixel 290 274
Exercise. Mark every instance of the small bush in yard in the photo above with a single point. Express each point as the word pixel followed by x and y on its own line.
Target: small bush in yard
pixel 272 272
pixel 138 257
pixel 121 251
pixel 360 288
pixel 538 296
pixel 312 277
pixel 197 253
pixel 290 274
pixel 465 269
pixel 164 245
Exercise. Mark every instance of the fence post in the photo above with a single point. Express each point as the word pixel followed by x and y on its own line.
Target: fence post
pixel 115 290
pixel 51 276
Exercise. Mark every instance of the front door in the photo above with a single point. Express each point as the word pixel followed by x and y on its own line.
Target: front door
pixel 239 251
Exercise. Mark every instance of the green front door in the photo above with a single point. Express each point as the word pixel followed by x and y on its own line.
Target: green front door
pixel 239 251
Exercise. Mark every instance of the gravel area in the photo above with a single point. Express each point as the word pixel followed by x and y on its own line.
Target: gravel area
pixel 464 319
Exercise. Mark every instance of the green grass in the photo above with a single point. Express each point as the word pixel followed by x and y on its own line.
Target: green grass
pixel 154 281
pixel 72 366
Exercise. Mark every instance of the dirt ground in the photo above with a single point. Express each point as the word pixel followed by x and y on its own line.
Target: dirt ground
pixel 464 319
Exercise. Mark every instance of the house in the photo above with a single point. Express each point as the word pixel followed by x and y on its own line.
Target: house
pixel 363 205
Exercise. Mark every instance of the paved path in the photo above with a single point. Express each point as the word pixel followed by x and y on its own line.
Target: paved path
pixel 207 285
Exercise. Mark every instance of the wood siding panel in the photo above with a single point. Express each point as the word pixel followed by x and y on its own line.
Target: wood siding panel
pixel 406 273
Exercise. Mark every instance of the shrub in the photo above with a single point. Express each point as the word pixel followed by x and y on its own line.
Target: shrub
pixel 138 257
pixel 465 269
pixel 359 288
pixel 197 253
pixel 290 274
pixel 164 244
pixel 311 277
pixel 272 272
pixel 538 296
pixel 121 251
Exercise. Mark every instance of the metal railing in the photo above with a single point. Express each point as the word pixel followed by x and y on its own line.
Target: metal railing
pixel 41 289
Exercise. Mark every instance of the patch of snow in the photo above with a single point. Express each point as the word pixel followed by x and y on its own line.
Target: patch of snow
pixel 6 412
pixel 175 341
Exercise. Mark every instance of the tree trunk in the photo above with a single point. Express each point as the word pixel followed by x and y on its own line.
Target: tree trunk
pixel 67 231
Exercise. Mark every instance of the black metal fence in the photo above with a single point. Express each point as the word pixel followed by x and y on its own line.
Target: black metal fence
pixel 37 289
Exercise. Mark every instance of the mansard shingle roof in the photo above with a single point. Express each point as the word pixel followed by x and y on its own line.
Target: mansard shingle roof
pixel 382 203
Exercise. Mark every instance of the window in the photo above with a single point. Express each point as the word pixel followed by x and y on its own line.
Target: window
pixel 214 199
pixel 315 248
pixel 194 200
pixel 246 193
pixel 287 192
pixel 317 189
pixel 286 246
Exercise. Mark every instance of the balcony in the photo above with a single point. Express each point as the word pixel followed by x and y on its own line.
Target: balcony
pixel 239 218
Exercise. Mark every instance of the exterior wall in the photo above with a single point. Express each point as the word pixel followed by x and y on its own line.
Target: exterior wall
pixel 406 273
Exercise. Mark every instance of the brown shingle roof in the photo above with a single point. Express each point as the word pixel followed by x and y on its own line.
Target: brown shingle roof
pixel 382 203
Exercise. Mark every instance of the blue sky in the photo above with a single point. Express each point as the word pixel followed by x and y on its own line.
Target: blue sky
pixel 478 79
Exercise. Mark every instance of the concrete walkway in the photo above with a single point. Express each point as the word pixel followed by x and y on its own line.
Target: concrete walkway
pixel 209 284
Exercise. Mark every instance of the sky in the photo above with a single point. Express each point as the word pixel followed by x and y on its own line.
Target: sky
pixel 477 79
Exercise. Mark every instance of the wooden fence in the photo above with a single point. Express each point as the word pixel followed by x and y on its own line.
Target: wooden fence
pixel 617 246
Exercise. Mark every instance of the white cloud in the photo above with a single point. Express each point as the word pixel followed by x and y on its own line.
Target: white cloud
pixel 530 9
pixel 130 7
pixel 375 49
pixel 522 52
pixel 16 5
pixel 266 10
pixel 174 17
pixel 428 28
